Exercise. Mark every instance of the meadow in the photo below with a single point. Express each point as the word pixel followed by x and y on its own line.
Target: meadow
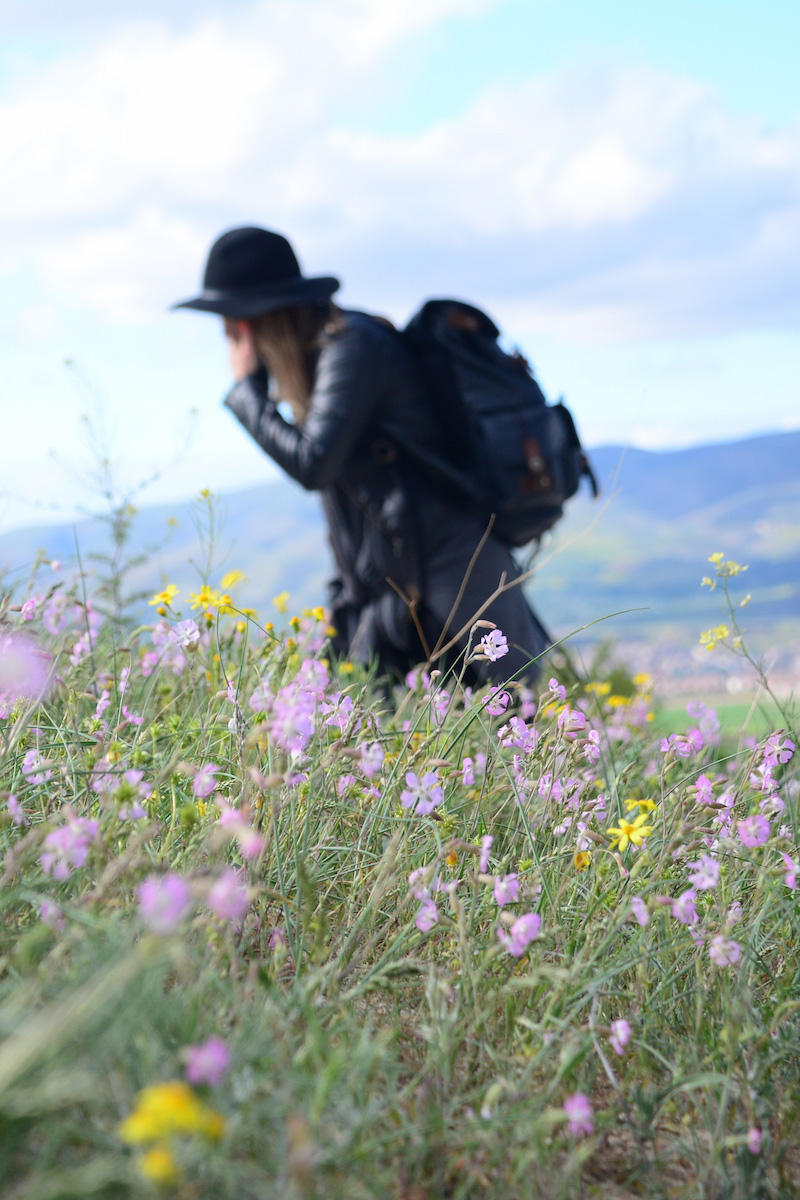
pixel 272 930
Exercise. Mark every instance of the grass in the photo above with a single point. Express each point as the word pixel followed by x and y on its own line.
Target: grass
pixel 237 839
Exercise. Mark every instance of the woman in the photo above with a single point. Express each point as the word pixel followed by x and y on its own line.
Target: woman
pixel 367 436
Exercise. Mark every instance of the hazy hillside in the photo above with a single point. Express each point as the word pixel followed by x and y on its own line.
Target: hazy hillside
pixel 644 544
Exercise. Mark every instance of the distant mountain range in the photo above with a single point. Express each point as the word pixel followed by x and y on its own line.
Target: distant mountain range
pixel 644 544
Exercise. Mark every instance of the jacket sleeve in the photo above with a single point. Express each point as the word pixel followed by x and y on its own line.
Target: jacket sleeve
pixel 350 378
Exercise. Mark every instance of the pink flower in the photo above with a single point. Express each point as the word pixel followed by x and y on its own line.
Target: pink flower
pixel 790 878
pixel 371 759
pixel 164 900
pixel 28 609
pixel 207 1063
pixel 250 842
pixel 427 916
pixel 705 790
pixel 620 1035
pixel 506 890
pixel 683 909
pixel 571 721
pixel 723 951
pixel 754 831
pixel 706 874
pixel 17 812
pixel 523 931
pixel 558 690
pixel 51 914
pixel 496 702
pixel 229 898
pixel 67 847
pixel 777 751
pixel 493 645
pixel 486 845
pixel 426 793
pixel 185 633
pixel 31 768
pixel 640 911
pixel 338 710
pixel 754 1137
pixel 24 670
pixel 519 735
pixel 205 780
pixel 579 1114
pixel 468 772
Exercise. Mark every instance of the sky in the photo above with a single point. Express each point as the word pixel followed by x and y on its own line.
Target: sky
pixel 618 184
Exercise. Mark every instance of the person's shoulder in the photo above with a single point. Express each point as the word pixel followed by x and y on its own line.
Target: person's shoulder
pixel 360 333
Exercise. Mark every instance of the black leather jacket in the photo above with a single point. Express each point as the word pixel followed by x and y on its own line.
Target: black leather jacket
pixel 371 444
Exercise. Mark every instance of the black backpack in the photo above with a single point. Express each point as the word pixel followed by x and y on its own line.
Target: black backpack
pixel 522 457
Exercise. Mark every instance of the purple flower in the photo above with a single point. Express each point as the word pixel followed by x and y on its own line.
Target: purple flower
pixel 706 874
pixel 506 890
pixel 229 898
pixel 571 721
pixel 640 911
pixel 30 768
pixel 426 793
pixel 24 670
pixel 591 751
pixel 723 951
pixel 185 633
pixel 705 790
pixel 486 845
pixel 207 1063
pixel 496 702
pixel 493 645
pixel 427 916
pixel 468 772
pixel 579 1114
pixel 67 847
pixel 16 811
pixel 164 900
pixel 678 745
pixel 790 878
pixel 753 831
pixel 338 710
pixel 558 690
pixel 619 1036
pixel 777 751
pixel 51 914
pixel 371 759
pixel 292 724
pixel 683 909
pixel 519 735
pixel 522 932
pixel 205 780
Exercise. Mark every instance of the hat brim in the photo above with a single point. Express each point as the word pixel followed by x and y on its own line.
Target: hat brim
pixel 252 303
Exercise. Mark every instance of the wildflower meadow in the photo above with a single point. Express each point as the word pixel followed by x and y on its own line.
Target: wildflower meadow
pixel 273 928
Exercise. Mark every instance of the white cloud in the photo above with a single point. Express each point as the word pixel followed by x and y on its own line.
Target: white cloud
pixel 592 203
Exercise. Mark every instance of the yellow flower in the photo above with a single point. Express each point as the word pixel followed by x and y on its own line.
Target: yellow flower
pixel 346 668
pixel 452 858
pixel 618 701
pixel 318 613
pixel 642 805
pixel 642 680
pixel 159 1166
pixel 581 859
pixel 706 581
pixel 710 637
pixel 717 558
pixel 166 597
pixel 241 626
pixel 598 689
pixel 281 601
pixel 294 622
pixel 231 579
pixel 207 598
pixel 165 1109
pixel 626 833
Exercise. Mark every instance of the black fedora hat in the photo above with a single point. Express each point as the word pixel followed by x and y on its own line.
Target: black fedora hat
pixel 252 271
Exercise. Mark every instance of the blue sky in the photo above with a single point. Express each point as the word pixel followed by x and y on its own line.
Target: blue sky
pixel 619 184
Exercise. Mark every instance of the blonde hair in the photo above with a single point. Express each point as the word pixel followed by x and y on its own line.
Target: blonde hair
pixel 285 340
